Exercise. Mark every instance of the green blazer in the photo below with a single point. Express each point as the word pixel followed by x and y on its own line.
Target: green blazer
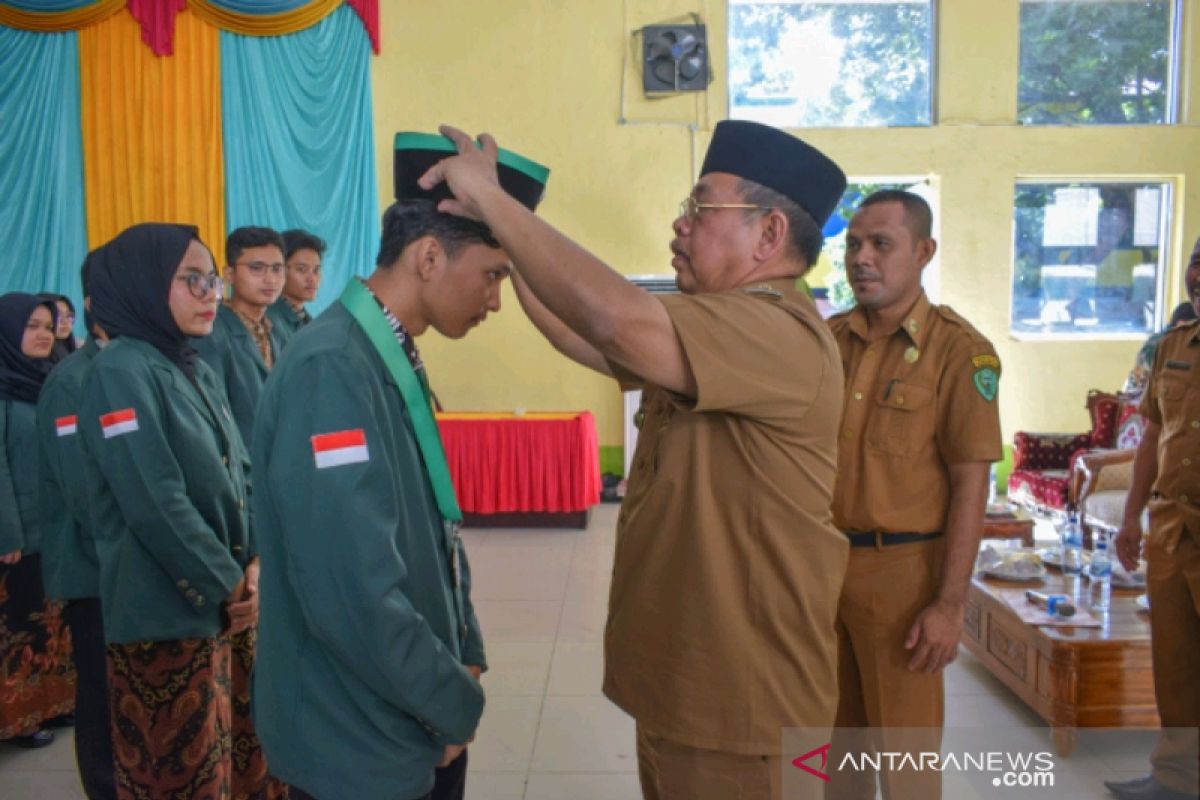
pixel 70 569
pixel 358 678
pixel 167 485
pixel 20 517
pixel 285 319
pixel 232 353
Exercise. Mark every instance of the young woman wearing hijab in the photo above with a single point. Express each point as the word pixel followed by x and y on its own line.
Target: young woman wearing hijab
pixel 35 673
pixel 167 478
pixel 64 326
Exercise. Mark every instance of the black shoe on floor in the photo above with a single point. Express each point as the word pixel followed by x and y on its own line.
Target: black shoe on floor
pixel 61 721
pixel 34 740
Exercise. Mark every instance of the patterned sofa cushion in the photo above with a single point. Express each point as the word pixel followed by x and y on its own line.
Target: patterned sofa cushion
pixel 1103 408
pixel 1130 427
pixel 1040 489
pixel 1042 451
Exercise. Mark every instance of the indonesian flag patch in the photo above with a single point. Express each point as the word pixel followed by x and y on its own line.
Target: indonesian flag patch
pixel 119 422
pixel 66 426
pixel 339 449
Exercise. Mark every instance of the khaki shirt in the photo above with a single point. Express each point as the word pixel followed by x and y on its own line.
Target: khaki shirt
pixel 916 401
pixel 1172 400
pixel 728 567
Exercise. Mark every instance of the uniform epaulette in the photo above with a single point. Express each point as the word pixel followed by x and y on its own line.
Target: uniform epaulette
pixel 762 290
pixel 950 315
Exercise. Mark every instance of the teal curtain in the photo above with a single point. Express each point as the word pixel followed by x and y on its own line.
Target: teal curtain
pixel 299 147
pixel 42 223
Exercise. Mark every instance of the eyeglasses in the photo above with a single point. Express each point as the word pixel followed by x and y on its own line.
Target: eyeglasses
pixel 690 208
pixel 260 268
pixel 200 285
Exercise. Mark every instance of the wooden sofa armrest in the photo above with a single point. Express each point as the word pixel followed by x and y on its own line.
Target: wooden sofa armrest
pixel 1090 473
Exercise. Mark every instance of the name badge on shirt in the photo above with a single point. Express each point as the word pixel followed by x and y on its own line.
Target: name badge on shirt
pixel 1173 364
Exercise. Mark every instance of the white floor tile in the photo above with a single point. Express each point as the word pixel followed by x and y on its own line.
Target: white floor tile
pixel 584 734
pixel 577 669
pixel 494 785
pixel 583 786
pixel 583 622
pixel 517 668
pixel 518 620
pixel 504 742
pixel 51 785
pixel 500 572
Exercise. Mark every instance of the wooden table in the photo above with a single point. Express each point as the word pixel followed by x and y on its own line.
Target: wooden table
pixel 1072 677
pixel 1015 523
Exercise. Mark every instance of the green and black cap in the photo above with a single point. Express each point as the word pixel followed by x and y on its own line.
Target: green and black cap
pixel 415 153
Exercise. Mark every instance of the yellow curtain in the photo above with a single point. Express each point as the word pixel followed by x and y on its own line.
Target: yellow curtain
pixel 152 129
pixel 265 24
pixel 57 22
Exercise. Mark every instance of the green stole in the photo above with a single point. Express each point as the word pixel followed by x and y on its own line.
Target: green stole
pixel 358 300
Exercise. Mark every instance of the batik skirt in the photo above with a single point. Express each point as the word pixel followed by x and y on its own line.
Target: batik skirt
pixel 37 676
pixel 181 721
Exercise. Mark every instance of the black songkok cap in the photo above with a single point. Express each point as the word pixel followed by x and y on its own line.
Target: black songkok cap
pixel 415 153
pixel 779 161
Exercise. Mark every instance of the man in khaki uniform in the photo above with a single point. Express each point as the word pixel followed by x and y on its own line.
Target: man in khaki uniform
pixel 918 434
pixel 1166 474
pixel 727 567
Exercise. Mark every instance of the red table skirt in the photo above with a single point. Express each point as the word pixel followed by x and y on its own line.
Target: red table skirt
pixel 502 463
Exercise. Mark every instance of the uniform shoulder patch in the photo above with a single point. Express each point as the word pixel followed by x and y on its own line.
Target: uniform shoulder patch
pixel 340 448
pixel 987 382
pixel 986 361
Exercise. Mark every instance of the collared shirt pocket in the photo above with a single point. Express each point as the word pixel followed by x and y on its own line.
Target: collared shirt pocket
pixel 902 419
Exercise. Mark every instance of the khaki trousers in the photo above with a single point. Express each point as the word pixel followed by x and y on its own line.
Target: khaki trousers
pixel 673 771
pixel 1173 583
pixel 886 588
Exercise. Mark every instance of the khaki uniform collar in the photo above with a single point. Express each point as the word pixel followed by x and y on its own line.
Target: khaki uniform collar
pixel 914 326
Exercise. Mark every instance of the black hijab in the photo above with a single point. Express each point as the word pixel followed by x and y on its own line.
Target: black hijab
pixel 62 347
pixel 21 377
pixel 130 285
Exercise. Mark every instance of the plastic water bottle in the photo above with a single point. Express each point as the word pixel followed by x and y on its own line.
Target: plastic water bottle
pixel 1101 573
pixel 1071 552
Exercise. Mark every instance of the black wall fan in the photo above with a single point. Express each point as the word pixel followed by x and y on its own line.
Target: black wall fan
pixel 674 58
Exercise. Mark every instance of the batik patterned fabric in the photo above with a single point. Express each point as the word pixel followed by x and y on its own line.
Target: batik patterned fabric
pixel 171 718
pixel 37 678
pixel 251 781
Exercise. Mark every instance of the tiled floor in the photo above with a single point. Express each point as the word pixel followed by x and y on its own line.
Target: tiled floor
pixel 547 733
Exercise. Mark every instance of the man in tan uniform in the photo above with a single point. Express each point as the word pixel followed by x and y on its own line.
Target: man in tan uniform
pixel 918 433
pixel 728 566
pixel 1166 474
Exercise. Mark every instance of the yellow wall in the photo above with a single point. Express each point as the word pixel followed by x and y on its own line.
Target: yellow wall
pixel 545 77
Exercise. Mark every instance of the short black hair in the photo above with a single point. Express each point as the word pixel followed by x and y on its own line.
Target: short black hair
pixel 807 239
pixel 298 239
pixel 244 238
pixel 405 221
pixel 917 214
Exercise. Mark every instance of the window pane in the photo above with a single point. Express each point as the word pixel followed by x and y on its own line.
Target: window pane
pixel 828 278
pixel 1096 62
pixel 1088 257
pixel 835 63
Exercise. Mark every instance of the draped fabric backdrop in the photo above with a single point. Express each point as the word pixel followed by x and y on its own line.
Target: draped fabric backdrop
pixel 41 171
pixel 143 138
pixel 298 140
pixel 152 130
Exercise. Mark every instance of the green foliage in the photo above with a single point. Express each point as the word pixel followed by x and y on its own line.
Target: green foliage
pixel 883 71
pixel 1094 63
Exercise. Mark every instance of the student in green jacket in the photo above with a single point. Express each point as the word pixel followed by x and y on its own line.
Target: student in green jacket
pixel 69 566
pixel 302 252
pixel 35 669
pixel 245 342
pixel 168 492
pixel 370 652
